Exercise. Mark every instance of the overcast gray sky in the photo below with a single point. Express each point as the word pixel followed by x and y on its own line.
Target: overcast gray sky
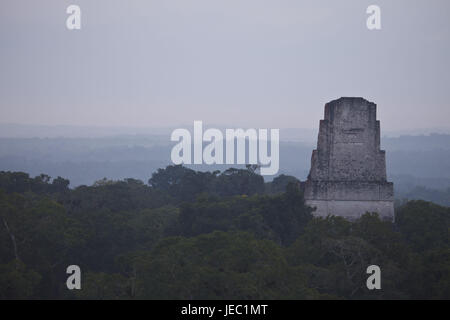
pixel 252 63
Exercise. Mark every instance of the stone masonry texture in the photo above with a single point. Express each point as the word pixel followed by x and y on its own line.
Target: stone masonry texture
pixel 348 169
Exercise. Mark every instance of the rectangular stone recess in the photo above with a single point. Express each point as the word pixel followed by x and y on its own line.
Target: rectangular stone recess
pixel 348 169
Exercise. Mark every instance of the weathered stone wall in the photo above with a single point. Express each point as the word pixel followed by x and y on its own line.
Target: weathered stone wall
pixel 352 210
pixel 348 169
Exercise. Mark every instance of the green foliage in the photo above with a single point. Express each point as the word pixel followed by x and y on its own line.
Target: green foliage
pixel 17 282
pixel 21 182
pixel 185 184
pixel 280 218
pixel 104 286
pixel 280 183
pixel 424 225
pixel 218 265
pixel 194 235
pixel 335 253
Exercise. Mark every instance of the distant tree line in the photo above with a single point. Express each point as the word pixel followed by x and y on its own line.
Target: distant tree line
pixel 441 197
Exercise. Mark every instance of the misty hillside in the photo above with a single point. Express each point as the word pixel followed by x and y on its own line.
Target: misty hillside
pixel 412 161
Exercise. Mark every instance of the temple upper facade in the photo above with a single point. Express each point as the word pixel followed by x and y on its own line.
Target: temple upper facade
pixel 348 169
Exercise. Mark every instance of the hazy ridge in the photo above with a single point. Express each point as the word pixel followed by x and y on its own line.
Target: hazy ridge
pixel 412 160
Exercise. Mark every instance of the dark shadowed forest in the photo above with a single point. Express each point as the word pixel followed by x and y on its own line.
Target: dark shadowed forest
pixel 185 234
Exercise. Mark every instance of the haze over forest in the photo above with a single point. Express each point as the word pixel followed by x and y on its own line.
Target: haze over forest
pixel 87 154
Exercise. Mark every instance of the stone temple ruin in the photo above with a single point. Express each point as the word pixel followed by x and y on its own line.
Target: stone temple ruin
pixel 348 169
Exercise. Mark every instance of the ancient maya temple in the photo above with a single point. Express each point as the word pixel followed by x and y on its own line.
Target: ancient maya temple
pixel 348 169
